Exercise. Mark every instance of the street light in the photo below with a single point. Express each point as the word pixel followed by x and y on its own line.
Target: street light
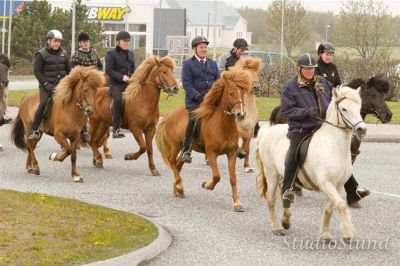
pixel 326 32
pixel 208 22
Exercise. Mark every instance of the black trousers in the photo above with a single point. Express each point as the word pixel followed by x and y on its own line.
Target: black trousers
pixel 290 163
pixel 44 95
pixel 187 143
pixel 116 94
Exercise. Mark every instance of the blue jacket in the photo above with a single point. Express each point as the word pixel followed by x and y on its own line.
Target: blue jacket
pixel 297 97
pixel 197 79
pixel 119 62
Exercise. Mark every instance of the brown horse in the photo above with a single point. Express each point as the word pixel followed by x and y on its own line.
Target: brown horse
pixel 252 67
pixel 141 111
pixel 4 66
pixel 73 100
pixel 222 107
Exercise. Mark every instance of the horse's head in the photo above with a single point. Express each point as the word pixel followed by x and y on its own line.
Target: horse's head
pixel 164 75
pixel 252 66
pixel 347 106
pixel 237 83
pixel 373 98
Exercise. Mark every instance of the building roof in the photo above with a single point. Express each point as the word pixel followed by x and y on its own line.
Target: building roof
pixel 197 12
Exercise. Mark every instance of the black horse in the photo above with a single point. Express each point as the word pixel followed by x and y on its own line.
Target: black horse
pixel 372 94
pixel 4 66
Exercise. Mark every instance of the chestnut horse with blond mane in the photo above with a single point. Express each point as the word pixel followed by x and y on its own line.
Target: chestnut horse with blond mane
pixel 218 134
pixel 73 100
pixel 141 112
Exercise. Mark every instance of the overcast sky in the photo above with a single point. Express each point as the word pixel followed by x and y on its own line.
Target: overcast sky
pixel 315 5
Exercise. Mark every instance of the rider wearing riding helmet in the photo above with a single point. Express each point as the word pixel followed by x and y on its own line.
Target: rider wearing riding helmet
pixel 328 70
pixel 304 101
pixel 51 65
pixel 198 75
pixel 229 59
pixel 120 65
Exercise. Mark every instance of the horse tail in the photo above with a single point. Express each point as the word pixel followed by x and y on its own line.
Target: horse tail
pixel 261 179
pixel 18 133
pixel 272 119
pixel 162 142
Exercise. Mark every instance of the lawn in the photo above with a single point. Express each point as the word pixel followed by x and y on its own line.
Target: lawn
pixel 43 230
pixel 265 105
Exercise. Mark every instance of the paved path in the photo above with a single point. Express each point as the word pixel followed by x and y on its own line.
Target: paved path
pixel 204 228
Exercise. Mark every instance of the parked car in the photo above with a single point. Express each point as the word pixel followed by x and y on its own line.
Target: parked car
pixel 271 74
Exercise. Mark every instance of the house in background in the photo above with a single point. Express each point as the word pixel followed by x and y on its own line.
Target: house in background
pixel 230 25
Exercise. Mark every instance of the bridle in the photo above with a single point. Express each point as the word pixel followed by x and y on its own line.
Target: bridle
pixel 161 84
pixel 231 106
pixel 346 121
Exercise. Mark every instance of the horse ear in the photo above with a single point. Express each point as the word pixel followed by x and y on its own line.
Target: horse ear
pixel 371 82
pixel 358 90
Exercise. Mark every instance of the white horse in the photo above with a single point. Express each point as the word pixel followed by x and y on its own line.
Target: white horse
pixel 327 165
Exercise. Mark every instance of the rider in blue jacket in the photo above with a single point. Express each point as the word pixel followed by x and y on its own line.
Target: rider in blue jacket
pixel 198 74
pixel 304 101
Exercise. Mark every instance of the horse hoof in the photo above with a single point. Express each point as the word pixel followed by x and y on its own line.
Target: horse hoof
pixel 32 171
pixel 78 179
pixel 298 193
pixel 98 164
pixel 1 149
pixel 127 157
pixel 249 170
pixel 108 155
pixel 179 193
pixel 155 172
pixel 238 208
pixel 285 225
pixel 279 232
pixel 207 162
pixel 355 205
pixel 53 156
pixel 327 238
pixel 347 240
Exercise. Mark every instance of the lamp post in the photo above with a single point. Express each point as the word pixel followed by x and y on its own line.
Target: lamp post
pixel 326 32
pixel 208 22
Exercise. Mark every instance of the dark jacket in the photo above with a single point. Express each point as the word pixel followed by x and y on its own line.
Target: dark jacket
pixel 119 62
pixel 297 97
pixel 51 66
pixel 197 79
pixel 328 71
pixel 227 60
pixel 86 59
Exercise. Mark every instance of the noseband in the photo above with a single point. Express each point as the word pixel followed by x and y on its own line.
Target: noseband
pixel 231 106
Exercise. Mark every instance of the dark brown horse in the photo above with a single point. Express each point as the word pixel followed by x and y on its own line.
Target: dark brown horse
pixel 73 100
pixel 141 111
pixel 4 66
pixel 218 134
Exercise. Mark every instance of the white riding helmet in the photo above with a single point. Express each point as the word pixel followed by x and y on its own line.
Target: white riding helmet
pixel 54 34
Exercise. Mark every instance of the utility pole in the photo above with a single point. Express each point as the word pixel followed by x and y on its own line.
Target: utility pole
pixel 73 26
pixel 9 29
pixel 3 29
pixel 215 30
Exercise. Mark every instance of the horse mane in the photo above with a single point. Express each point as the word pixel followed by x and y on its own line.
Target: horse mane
pixel 135 83
pixel 71 85
pixel 349 93
pixel 272 118
pixel 248 63
pixel 379 82
pixel 215 94
pixel 5 60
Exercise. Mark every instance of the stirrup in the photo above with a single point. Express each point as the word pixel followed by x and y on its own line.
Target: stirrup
pixel 118 134
pixel 35 135
pixel 85 136
pixel 186 158
pixel 288 198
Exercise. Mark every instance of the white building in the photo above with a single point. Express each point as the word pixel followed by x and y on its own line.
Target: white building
pixel 200 21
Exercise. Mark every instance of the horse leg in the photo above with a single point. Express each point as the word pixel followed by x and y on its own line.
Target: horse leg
pixel 176 166
pixel 324 230
pixel 246 148
pixel 346 227
pixel 1 147
pixel 66 148
pixel 270 197
pixel 237 205
pixel 137 134
pixel 149 136
pixel 286 214
pixel 96 134
pixel 106 150
pixel 75 175
pixel 31 162
pixel 212 158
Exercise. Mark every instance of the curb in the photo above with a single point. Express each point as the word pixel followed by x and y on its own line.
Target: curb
pixel 159 245
pixel 383 139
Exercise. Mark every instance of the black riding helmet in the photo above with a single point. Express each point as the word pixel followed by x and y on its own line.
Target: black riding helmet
pixel 123 35
pixel 326 47
pixel 307 61
pixel 83 36
pixel 241 43
pixel 199 39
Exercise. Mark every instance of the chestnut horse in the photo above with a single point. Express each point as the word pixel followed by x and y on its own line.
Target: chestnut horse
pixel 141 111
pixel 246 126
pixel 4 66
pixel 73 100
pixel 218 134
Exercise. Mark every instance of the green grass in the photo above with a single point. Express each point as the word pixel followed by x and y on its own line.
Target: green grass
pixel 44 230
pixel 265 105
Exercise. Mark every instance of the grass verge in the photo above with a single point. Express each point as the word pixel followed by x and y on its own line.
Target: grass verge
pixel 45 230
pixel 265 105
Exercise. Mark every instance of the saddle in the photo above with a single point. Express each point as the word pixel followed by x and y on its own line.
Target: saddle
pixel 302 149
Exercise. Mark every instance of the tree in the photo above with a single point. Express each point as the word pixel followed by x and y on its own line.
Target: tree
pixel 295 26
pixel 365 26
pixel 256 23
